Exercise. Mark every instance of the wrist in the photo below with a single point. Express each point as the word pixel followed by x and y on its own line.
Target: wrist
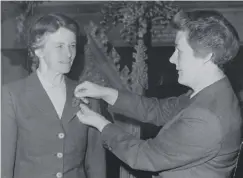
pixel 103 124
pixel 110 95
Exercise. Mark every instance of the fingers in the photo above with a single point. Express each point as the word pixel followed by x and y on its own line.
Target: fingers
pixel 81 89
pixel 80 92
pixel 85 100
pixel 84 114
pixel 81 113
pixel 84 108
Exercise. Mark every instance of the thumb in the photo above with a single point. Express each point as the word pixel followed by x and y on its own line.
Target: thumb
pixel 85 100
pixel 84 108
pixel 81 89
pixel 80 92
pixel 79 114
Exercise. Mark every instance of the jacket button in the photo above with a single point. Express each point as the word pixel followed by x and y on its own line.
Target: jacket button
pixel 61 135
pixel 59 175
pixel 59 155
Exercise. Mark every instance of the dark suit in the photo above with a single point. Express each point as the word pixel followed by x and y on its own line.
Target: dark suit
pixel 37 144
pixel 200 137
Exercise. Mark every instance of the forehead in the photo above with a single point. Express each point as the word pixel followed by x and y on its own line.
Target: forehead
pixel 181 38
pixel 182 42
pixel 62 35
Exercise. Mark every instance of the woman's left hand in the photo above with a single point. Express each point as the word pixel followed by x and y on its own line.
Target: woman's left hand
pixel 91 118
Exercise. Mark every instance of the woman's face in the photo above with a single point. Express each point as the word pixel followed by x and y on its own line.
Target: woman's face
pixel 187 64
pixel 59 51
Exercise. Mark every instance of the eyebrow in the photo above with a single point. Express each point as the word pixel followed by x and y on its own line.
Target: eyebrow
pixel 74 42
pixel 59 42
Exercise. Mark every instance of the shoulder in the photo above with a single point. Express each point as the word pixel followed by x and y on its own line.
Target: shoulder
pixel 15 87
pixel 198 111
pixel 11 91
pixel 201 114
pixel 202 119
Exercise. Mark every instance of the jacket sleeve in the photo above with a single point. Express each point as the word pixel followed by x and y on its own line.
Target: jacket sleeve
pixel 95 159
pixel 9 134
pixel 192 139
pixel 148 110
pixel 95 162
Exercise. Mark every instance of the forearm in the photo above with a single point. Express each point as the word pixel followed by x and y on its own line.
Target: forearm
pixel 110 95
pixel 172 149
pixel 149 110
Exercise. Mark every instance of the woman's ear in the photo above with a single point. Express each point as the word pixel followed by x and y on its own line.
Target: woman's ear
pixel 39 53
pixel 208 58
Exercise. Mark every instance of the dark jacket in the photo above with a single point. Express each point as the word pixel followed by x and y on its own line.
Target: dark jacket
pixel 37 144
pixel 200 137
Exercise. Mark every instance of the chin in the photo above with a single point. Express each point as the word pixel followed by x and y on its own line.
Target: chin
pixel 184 83
pixel 64 70
pixel 67 71
pixel 180 81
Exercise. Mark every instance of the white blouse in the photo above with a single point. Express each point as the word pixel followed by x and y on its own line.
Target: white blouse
pixel 56 93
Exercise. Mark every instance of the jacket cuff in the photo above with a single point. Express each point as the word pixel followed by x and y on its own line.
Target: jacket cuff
pixel 108 133
pixel 122 101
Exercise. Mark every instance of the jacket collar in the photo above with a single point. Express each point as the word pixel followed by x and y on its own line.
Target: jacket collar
pixel 39 98
pixel 209 92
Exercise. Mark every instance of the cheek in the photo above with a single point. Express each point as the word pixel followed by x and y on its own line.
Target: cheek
pixel 74 52
pixel 52 57
pixel 67 53
pixel 191 69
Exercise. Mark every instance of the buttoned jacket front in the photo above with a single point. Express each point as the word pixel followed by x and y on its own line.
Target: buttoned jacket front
pixel 37 144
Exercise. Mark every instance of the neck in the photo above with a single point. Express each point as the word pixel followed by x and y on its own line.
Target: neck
pixel 54 78
pixel 207 78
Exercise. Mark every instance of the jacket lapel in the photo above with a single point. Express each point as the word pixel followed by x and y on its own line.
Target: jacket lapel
pixel 69 111
pixel 37 96
pixel 39 99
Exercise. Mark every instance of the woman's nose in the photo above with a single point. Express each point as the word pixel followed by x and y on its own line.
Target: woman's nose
pixel 69 52
pixel 172 59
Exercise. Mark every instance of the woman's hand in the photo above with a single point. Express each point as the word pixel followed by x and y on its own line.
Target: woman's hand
pixel 91 118
pixel 92 90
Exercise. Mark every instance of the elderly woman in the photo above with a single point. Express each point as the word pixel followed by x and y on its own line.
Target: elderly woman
pixel 39 137
pixel 200 137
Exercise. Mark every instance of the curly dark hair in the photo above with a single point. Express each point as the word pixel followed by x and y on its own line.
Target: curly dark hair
pixel 208 31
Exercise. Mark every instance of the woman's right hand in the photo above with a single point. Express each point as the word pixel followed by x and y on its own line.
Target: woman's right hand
pixel 92 90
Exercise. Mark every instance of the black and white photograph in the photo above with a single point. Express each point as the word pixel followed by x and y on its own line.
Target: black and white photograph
pixel 121 89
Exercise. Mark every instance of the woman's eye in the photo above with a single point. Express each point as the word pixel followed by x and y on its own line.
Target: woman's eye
pixel 179 51
pixel 59 46
pixel 73 45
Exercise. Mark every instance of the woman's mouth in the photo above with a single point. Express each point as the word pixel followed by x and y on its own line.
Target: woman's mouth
pixel 63 62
